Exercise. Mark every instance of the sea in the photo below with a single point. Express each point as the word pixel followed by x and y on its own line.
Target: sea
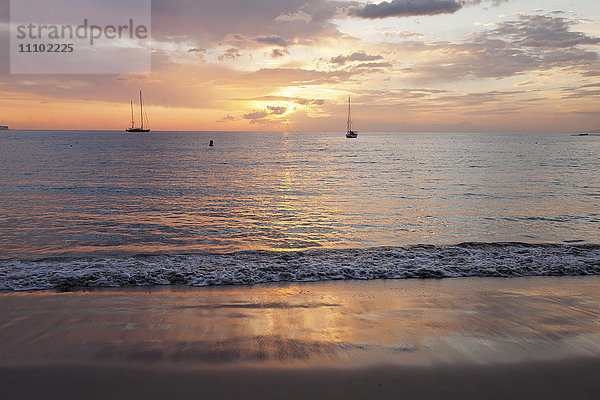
pixel 83 209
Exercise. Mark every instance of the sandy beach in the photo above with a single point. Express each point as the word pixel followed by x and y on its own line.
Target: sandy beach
pixel 451 338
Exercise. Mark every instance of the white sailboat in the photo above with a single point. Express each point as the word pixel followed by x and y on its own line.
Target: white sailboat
pixel 349 132
pixel 142 118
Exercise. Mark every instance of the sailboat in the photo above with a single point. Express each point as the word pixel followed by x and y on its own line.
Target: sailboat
pixel 142 115
pixel 349 132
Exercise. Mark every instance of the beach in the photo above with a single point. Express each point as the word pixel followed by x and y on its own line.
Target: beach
pixel 300 200
pixel 535 337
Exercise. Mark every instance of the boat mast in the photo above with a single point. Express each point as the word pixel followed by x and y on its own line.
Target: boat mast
pixel 349 123
pixel 132 121
pixel 141 111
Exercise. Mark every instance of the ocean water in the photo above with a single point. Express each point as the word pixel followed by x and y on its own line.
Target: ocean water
pixel 106 208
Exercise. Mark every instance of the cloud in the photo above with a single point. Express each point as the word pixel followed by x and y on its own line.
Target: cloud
pixel 410 8
pixel 255 114
pixel 227 118
pixel 299 15
pixel 375 65
pixel 591 85
pixel 528 43
pixel 259 116
pixel 270 46
pixel 357 56
pixel 543 31
pixel 277 53
pixel 277 110
pixel 317 102
pixel 585 91
pixel 244 42
pixel 271 40
pixel 494 3
pixel 294 77
pixel 230 54
pixel 405 8
pixel 297 100
pixel 183 86
pixel 479 98
pixel 403 34
pixel 271 23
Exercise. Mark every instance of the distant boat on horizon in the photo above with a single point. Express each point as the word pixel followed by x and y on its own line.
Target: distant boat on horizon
pixel 3 127
pixel 349 132
pixel 143 117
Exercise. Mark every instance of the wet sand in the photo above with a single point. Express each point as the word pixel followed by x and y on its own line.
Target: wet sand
pixel 423 339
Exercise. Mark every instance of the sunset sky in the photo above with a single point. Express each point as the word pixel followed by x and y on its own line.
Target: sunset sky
pixel 290 65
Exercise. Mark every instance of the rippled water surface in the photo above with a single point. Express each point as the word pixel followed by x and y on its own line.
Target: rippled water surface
pixel 84 193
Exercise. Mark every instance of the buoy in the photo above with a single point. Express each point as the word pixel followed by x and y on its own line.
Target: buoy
pixel 211 144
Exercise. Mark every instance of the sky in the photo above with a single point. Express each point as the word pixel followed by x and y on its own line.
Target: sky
pixel 290 65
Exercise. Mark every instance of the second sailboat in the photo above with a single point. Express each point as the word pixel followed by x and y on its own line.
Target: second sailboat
pixel 349 132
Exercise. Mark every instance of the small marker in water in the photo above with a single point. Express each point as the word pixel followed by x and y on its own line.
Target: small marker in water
pixel 211 144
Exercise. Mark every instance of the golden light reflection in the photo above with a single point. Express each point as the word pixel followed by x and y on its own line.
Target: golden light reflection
pixel 346 323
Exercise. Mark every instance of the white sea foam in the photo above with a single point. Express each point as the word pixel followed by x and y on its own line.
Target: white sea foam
pixel 252 267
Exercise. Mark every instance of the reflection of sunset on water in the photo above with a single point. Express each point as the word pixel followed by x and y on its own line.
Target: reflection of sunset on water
pixel 80 193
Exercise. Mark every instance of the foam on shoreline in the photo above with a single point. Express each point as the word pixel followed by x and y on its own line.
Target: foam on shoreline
pixel 253 267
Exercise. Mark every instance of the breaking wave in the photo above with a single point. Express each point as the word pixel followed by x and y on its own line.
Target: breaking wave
pixel 253 267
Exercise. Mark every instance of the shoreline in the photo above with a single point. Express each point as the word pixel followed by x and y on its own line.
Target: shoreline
pixel 533 337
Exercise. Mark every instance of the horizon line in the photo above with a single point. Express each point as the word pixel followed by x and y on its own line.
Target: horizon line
pixel 300 131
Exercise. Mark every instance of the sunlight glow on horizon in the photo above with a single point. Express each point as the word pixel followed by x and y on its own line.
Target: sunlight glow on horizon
pixel 485 69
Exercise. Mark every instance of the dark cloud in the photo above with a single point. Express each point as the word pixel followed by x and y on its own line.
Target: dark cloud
pixel 277 53
pixel 196 50
pixel 243 41
pixel 277 110
pixel 271 40
pixel 255 114
pixel 410 8
pixel 357 56
pixel 535 100
pixel 405 8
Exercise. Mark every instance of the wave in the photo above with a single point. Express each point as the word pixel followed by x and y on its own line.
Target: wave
pixel 253 267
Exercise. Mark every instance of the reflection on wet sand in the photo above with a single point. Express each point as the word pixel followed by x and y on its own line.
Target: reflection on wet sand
pixel 343 324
